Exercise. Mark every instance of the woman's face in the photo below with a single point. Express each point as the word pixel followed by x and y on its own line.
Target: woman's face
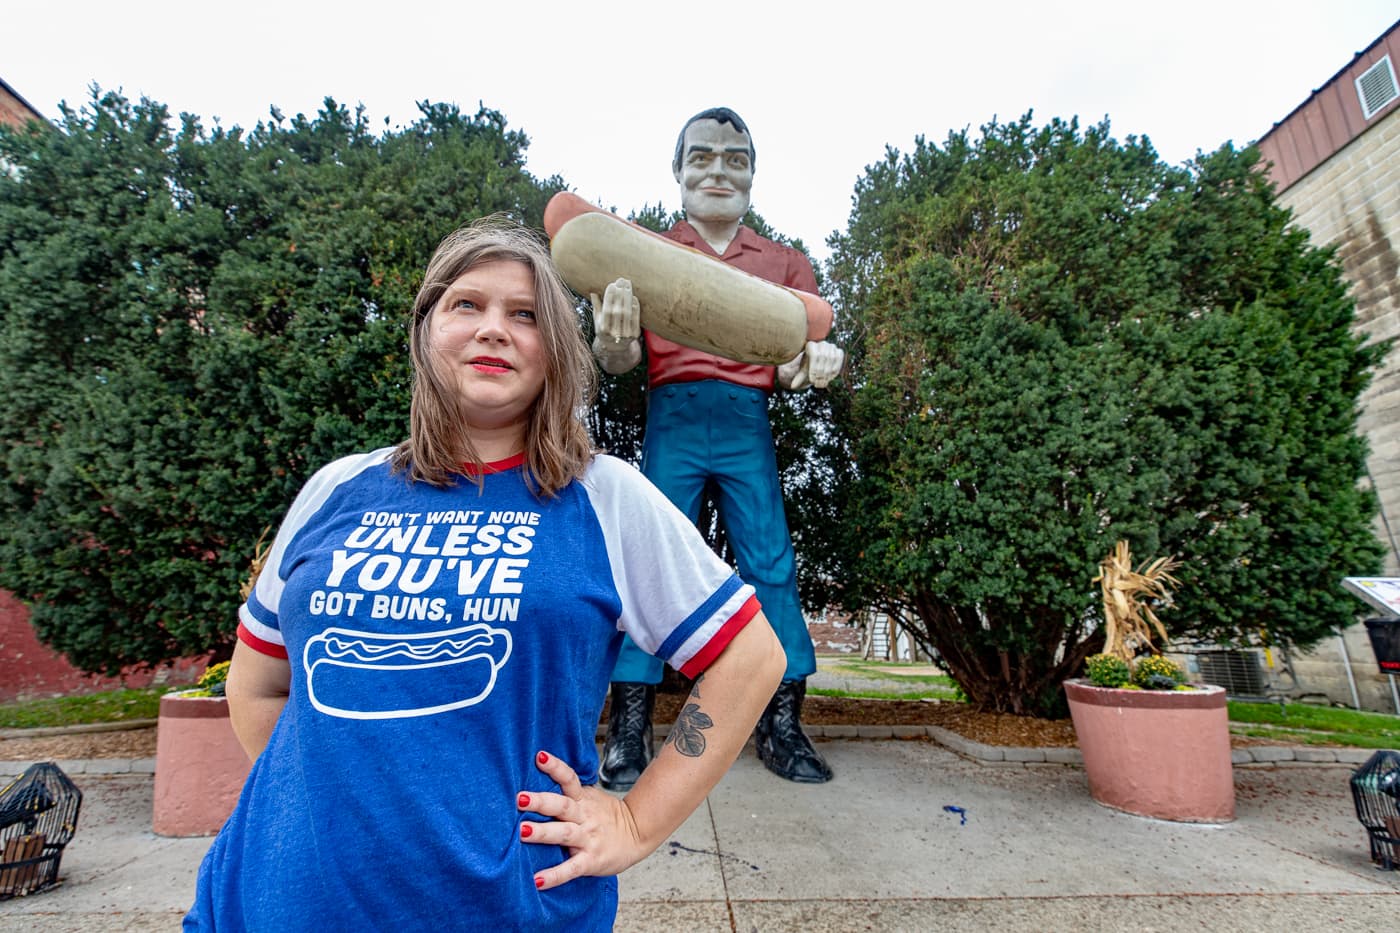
pixel 485 339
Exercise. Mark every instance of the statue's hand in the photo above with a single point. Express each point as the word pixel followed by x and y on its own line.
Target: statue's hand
pixel 824 362
pixel 814 367
pixel 617 325
pixel 617 320
pixel 790 374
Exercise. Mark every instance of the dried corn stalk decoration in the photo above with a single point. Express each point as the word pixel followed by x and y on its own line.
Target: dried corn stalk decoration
pixel 1127 594
pixel 255 566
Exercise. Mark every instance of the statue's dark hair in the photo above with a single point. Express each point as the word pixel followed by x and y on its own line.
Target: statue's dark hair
pixel 720 115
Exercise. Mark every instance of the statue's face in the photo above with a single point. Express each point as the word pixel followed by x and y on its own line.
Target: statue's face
pixel 716 172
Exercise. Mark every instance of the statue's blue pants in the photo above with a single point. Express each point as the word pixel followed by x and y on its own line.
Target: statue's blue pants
pixel 717 433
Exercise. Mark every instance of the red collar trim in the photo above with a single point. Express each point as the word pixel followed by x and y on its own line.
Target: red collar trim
pixel 496 466
pixel 745 239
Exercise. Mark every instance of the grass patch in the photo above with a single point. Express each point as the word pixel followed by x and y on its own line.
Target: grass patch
pixel 1294 723
pixel 1315 725
pixel 905 681
pixel 875 694
pixel 107 706
pixel 894 671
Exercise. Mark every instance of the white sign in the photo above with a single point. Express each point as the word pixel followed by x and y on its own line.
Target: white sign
pixel 1381 593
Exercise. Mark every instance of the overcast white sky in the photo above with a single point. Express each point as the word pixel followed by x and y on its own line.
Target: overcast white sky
pixel 602 88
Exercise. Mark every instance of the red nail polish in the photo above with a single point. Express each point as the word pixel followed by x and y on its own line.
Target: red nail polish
pixel 525 830
pixel 539 882
pixel 524 801
pixel 544 759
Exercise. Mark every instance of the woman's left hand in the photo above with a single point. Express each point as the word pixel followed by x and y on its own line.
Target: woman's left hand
pixel 594 827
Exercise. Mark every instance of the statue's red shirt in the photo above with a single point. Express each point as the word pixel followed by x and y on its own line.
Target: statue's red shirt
pixel 668 361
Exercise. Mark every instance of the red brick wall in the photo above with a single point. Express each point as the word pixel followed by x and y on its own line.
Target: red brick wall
pixel 13 112
pixel 31 670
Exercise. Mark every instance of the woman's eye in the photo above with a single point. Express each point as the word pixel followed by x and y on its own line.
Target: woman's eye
pixel 463 304
pixel 525 314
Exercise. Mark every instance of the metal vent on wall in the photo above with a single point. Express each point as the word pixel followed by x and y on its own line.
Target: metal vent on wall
pixel 1240 672
pixel 1376 87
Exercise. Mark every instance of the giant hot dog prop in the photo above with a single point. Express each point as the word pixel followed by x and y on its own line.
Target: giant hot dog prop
pixel 686 296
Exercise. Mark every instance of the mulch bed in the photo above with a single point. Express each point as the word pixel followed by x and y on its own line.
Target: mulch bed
pixel 987 728
pixel 125 743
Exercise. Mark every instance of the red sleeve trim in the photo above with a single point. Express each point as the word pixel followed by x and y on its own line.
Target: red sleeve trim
pixel 716 645
pixel 271 649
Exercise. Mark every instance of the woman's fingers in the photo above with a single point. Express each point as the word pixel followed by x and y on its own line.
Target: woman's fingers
pixel 567 870
pixel 588 834
pixel 560 806
pixel 591 825
pixel 551 833
pixel 563 775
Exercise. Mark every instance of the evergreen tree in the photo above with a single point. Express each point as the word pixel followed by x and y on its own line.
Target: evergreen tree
pixel 192 321
pixel 1058 341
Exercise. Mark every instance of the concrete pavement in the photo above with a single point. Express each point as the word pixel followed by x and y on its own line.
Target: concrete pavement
pixel 875 850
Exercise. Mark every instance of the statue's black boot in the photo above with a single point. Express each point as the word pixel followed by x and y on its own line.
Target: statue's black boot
pixel 782 745
pixel 628 746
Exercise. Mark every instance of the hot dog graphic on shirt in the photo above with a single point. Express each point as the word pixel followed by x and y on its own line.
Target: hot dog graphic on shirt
pixel 369 675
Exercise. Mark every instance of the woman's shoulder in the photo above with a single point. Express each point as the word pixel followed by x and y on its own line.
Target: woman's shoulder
pixel 345 468
pixel 353 463
pixel 619 489
pixel 326 483
pixel 614 480
pixel 605 469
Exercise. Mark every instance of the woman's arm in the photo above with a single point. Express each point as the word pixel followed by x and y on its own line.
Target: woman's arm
pixel 257 689
pixel 606 835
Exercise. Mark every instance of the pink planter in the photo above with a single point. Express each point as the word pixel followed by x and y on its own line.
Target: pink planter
pixel 200 767
pixel 1163 754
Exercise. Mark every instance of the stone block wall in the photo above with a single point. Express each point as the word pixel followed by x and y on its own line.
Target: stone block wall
pixel 1352 202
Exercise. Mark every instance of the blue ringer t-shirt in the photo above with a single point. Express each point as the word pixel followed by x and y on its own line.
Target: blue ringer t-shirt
pixel 438 638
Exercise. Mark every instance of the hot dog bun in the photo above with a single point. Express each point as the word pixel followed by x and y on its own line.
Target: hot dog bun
pixel 686 296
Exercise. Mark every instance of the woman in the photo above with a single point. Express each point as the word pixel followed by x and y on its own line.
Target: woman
pixel 422 663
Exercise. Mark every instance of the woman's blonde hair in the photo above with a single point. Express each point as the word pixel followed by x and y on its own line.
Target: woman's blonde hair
pixel 557 445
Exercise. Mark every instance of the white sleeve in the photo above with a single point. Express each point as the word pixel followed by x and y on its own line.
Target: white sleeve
pixel 680 602
pixel 259 615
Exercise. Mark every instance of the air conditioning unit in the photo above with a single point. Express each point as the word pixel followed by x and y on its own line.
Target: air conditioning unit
pixel 1240 671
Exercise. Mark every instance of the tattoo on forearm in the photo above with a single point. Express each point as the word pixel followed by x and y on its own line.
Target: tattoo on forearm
pixel 687 734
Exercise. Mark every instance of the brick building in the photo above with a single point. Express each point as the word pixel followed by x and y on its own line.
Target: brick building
pixel 15 110
pixel 1336 163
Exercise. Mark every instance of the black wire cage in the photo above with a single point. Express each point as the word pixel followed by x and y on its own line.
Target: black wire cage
pixel 38 815
pixel 1375 786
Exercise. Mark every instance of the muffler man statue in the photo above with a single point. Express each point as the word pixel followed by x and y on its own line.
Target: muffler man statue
pixel 707 427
